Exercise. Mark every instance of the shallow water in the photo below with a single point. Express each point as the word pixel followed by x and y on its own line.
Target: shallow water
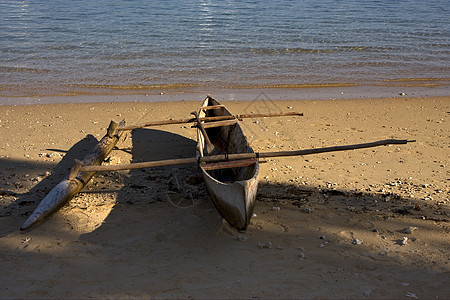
pixel 116 47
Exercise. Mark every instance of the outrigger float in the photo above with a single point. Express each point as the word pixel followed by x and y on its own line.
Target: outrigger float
pixel 228 164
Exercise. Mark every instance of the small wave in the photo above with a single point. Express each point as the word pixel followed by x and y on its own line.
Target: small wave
pixel 23 70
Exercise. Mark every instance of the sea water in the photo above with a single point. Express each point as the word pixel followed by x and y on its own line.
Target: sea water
pixel 50 47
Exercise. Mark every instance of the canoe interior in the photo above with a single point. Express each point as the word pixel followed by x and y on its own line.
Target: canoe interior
pixel 226 139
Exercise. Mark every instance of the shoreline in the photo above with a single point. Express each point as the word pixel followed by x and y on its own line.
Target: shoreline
pixel 326 226
pixel 399 88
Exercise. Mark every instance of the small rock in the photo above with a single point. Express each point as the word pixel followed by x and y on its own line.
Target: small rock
pixel 289 107
pixel 404 241
pixel 409 230
pixel 267 245
pixel 357 242
pixel 402 94
pixel 242 238
pixel 302 255
pixel 276 208
pixel 308 210
pixel 322 237
pixel 54 155
pixel 405 284
pixel 411 295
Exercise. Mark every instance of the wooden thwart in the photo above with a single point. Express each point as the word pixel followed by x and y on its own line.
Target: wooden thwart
pixel 228 164
pixel 219 123
pixel 212 107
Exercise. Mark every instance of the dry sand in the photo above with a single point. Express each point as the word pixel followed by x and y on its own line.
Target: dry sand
pixel 326 226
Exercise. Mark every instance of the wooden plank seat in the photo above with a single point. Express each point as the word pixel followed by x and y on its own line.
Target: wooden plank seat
pixel 219 123
pixel 212 107
pixel 228 164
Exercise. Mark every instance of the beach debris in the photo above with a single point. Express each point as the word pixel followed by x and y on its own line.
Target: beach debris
pixel 357 241
pixel 289 107
pixel 267 245
pixel 276 208
pixel 404 284
pixel 411 295
pixel 403 241
pixel 26 240
pixel 302 254
pixel 308 210
pixel 324 244
pixel 322 237
pixel 367 293
pixel 409 230
pixel 242 237
pixel 402 94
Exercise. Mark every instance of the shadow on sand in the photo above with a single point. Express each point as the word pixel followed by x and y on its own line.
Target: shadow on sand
pixel 165 239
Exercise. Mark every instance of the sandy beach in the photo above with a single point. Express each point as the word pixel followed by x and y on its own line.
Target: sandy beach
pixel 370 223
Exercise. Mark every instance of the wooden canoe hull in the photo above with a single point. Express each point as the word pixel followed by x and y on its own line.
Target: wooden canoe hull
pixel 233 190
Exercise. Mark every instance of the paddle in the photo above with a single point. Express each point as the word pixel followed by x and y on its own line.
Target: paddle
pixel 226 157
pixel 209 146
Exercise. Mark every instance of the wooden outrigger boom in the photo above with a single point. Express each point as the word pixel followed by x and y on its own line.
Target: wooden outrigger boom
pixel 240 156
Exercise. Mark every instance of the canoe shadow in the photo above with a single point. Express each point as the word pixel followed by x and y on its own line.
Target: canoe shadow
pixel 171 196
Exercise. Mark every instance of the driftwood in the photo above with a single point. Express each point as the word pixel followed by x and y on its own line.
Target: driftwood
pixel 218 118
pixel 239 156
pixel 77 178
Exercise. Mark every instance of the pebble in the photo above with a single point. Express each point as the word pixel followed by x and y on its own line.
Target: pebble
pixel 308 210
pixel 54 155
pixel 402 94
pixel 404 241
pixel 409 229
pixel 267 245
pixel 242 238
pixel 302 255
pixel 411 295
pixel 357 242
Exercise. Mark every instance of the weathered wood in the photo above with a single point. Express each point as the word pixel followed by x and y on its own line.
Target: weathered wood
pixel 228 164
pixel 77 179
pixel 209 146
pixel 239 156
pixel 212 107
pixel 205 119
pixel 220 123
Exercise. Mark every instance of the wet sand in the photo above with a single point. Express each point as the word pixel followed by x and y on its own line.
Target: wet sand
pixel 367 223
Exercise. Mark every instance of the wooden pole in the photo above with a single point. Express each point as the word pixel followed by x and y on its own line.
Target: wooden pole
pixel 216 158
pixel 209 146
pixel 77 177
pixel 218 118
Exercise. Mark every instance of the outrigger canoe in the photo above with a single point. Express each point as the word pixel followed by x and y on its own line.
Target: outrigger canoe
pixel 232 185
